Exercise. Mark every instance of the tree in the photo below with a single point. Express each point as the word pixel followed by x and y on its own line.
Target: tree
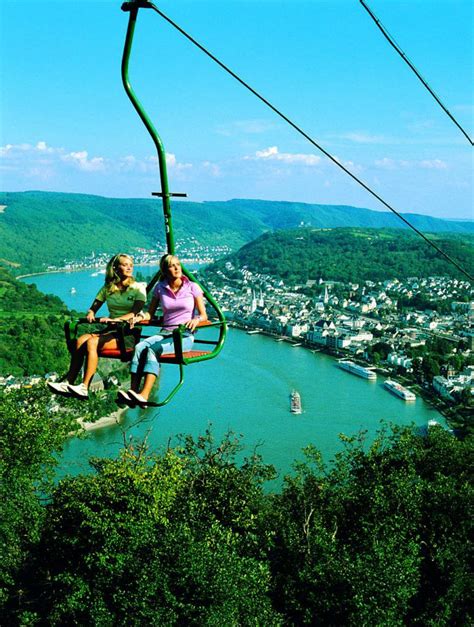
pixel 377 539
pixel 29 440
pixel 149 539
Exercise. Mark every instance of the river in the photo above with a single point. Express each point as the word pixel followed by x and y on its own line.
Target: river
pixel 245 390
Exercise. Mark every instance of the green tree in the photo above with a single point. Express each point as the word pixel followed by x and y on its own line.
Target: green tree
pixel 378 539
pixel 147 539
pixel 29 441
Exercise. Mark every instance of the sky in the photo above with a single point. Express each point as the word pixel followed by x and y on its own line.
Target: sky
pixel 67 125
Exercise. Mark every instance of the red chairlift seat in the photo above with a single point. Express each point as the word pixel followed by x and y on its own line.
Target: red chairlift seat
pixel 125 354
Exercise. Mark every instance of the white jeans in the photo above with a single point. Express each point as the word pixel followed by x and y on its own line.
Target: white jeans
pixel 156 345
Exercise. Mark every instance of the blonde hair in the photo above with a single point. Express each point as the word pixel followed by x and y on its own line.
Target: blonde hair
pixel 165 263
pixel 112 277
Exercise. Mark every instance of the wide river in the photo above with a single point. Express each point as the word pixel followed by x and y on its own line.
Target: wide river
pixel 246 390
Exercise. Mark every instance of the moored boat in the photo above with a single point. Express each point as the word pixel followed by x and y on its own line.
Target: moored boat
pixel 354 368
pixel 295 402
pixel 395 388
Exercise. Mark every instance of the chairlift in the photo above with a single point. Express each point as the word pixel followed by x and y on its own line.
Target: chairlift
pixel 216 320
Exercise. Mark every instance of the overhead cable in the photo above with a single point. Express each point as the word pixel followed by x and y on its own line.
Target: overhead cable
pixel 396 47
pixel 311 140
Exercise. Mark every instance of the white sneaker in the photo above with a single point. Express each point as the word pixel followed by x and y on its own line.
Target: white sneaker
pixel 59 388
pixel 123 398
pixel 138 398
pixel 79 391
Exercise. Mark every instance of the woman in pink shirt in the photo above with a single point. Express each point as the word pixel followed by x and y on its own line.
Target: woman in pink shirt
pixel 179 299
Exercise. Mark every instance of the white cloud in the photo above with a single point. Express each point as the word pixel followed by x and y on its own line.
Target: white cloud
pixel 173 163
pixel 272 154
pixel 423 164
pixel 41 160
pixel 81 160
pixel 433 164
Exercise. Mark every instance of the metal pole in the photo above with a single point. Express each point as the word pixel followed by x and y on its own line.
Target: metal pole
pixel 132 7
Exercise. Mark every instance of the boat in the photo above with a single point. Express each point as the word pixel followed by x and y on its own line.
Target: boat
pixel 296 344
pixel 72 290
pixel 253 332
pixel 399 390
pixel 354 368
pixel 295 402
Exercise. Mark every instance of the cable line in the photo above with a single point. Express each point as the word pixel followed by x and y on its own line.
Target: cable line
pixel 396 47
pixel 147 4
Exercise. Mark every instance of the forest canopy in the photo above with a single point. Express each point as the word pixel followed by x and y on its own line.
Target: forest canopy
pixel 190 535
pixel 350 255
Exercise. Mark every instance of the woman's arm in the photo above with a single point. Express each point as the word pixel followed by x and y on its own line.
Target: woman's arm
pixel 93 309
pixel 148 315
pixel 202 314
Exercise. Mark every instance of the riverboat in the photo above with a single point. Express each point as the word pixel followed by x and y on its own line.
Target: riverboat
pixel 360 371
pixel 295 403
pixel 399 390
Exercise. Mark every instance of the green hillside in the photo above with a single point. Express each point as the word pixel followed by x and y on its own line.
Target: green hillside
pixel 42 228
pixel 350 255
pixel 31 329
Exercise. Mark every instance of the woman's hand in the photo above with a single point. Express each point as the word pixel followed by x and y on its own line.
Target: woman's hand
pixel 139 317
pixel 90 316
pixel 193 323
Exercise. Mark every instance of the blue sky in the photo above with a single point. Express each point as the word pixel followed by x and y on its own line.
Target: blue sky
pixel 67 125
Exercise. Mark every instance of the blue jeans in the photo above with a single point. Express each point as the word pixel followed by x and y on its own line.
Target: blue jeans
pixel 156 345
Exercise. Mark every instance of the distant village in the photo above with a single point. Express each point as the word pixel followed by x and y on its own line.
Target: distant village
pixel 356 320
pixel 353 319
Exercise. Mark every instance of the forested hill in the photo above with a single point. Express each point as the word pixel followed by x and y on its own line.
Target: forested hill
pixel 31 329
pixel 42 228
pixel 356 255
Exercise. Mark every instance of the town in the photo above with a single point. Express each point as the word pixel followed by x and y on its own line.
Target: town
pixel 419 329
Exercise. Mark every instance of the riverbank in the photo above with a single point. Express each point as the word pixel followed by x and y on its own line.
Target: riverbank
pixel 114 418
pixel 142 264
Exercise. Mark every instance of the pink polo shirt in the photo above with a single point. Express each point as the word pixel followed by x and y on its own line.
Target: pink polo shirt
pixel 177 307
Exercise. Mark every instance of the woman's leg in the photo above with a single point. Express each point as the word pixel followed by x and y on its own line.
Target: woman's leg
pixel 94 344
pixel 77 358
pixel 151 369
pixel 148 383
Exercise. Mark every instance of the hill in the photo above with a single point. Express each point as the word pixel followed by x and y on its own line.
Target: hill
pixel 42 228
pixel 31 329
pixel 343 254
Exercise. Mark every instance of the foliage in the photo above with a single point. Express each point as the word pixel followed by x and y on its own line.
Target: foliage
pixel 382 538
pixel 75 225
pixel 29 440
pixel 348 255
pixel 189 536
pixel 31 329
pixel 154 540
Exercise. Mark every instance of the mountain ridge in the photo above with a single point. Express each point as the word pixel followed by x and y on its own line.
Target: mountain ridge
pixel 50 227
